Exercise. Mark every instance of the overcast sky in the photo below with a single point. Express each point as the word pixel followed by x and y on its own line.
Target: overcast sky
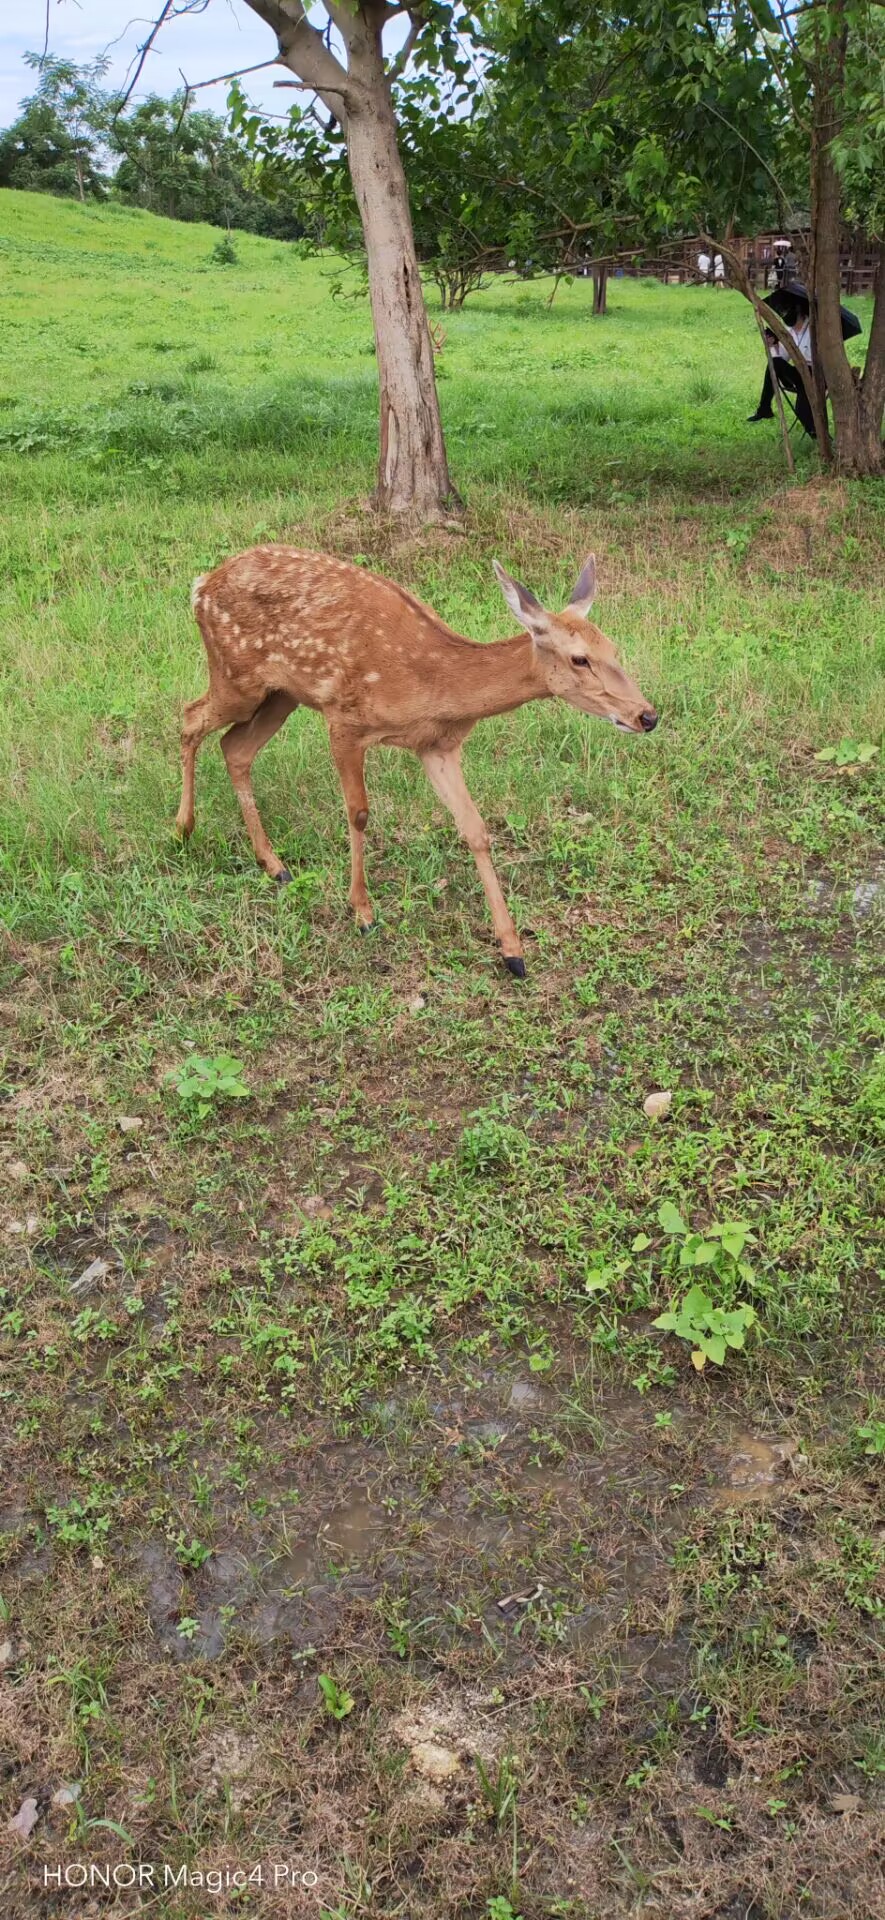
pixel 226 36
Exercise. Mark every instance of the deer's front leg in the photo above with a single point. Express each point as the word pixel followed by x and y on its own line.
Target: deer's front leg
pixel 446 777
pixel 349 755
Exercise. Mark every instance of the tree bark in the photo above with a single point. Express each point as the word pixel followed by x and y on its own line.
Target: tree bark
pixel 600 289
pixel 413 472
pixel 413 475
pixel 856 401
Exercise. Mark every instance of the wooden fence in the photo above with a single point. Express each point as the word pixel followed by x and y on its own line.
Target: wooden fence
pixel 677 265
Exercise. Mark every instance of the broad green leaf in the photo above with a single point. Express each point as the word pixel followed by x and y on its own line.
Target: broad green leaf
pixel 670 1219
pixel 714 1345
pixel 697 1304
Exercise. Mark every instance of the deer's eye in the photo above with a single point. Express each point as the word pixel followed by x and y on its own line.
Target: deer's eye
pixel 580 660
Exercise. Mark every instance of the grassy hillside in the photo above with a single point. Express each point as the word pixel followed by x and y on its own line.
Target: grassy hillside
pixel 352 1372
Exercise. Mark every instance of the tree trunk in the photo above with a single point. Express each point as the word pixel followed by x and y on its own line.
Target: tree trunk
pixel 413 472
pixel 600 289
pixel 857 403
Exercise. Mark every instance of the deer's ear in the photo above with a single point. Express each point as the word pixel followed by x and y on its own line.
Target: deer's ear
pixel 585 590
pixel 527 609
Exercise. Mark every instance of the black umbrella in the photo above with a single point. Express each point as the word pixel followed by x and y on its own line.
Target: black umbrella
pixel 793 294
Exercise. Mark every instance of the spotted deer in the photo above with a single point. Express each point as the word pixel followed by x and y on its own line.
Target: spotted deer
pixel 284 629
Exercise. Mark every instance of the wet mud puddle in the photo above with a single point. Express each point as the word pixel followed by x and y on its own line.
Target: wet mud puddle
pixel 518 1520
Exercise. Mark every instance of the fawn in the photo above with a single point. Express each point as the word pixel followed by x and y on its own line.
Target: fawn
pixel 283 628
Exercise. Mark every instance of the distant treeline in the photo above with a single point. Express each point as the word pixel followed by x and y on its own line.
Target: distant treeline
pixel 70 139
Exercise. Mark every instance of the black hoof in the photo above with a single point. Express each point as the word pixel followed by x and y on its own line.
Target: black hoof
pixel 514 966
pixel 368 926
pixel 283 878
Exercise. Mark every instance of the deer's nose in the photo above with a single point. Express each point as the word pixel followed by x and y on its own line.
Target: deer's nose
pixel 648 721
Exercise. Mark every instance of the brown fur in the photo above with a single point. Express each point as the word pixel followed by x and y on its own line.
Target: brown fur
pixel 284 628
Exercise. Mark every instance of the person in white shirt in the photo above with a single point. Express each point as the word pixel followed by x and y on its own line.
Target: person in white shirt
pixel 718 270
pixel 798 323
pixel 704 268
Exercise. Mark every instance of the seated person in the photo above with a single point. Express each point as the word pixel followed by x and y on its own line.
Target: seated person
pixel 798 323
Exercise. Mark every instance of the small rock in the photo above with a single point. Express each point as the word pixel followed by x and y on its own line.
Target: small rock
pixel 96 1270
pixel 227 1761
pixel 656 1105
pixel 315 1207
pixel 66 1796
pixel 865 896
pixel 97 1563
pixel 24 1822
pixel 18 1170
pixel 418 1003
pixel 5 1653
pixel 434 1762
pixel 127 1124
pixel 423 1801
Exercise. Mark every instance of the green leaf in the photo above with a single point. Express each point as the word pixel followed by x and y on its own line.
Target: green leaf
pixel 640 1243
pixel 338 1702
pixel 714 1346
pixel 670 1219
pixel 697 1304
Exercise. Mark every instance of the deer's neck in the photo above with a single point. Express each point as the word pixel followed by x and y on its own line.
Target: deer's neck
pixel 497 678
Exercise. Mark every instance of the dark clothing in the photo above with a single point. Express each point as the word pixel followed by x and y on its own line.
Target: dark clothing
pixel 788 378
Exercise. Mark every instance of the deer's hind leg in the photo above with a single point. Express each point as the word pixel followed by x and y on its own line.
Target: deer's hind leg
pixel 215 709
pixel 239 747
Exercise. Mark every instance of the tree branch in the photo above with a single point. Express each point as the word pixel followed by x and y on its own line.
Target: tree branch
pixel 303 50
pixel 786 208
pixel 779 398
pixel 775 325
pixel 399 65
pixel 141 57
pixel 196 86
pixel 873 379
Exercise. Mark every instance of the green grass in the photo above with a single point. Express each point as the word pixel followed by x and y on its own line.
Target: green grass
pixel 371 1344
